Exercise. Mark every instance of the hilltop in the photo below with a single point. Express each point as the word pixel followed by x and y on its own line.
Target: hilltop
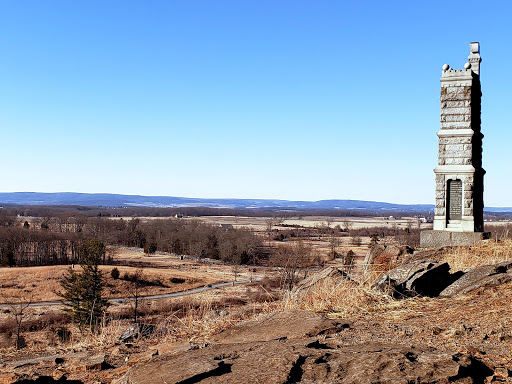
pixel 330 329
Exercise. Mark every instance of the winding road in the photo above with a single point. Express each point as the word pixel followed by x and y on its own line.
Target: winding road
pixel 161 296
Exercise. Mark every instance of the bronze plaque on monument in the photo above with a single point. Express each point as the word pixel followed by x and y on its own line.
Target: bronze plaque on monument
pixel 454 200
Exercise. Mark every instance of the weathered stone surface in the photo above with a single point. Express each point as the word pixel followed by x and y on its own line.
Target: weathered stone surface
pixel 455 161
pixel 424 278
pixel 7 378
pixel 291 324
pixel 456 104
pixel 370 257
pixel 331 273
pixel 309 360
pixel 456 110
pixel 456 125
pixel 41 379
pixel 487 275
pixel 468 211
pixel 390 252
pixel 438 239
pixel 452 147
pixel 454 118
pixel 438 211
pixel 135 331
pixel 455 153
pixel 455 140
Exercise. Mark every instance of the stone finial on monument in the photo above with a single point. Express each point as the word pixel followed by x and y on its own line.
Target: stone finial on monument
pixel 459 203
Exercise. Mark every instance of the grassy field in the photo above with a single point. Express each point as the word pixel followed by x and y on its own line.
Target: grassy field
pixel 167 274
pixel 261 223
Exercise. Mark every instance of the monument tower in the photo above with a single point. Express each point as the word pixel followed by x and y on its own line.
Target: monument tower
pixel 459 202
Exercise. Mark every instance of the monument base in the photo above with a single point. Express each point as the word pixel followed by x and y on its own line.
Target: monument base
pixel 438 239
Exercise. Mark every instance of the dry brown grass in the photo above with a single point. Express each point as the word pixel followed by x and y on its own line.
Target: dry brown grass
pixel 42 283
pixel 192 318
pixel 337 297
pixel 487 252
pixel 344 297
pixel 259 223
pixel 200 317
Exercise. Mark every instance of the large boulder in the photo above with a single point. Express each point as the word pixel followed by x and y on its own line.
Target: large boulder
pixel 329 273
pixel 370 257
pixel 384 253
pixel 135 331
pixel 425 278
pixel 484 276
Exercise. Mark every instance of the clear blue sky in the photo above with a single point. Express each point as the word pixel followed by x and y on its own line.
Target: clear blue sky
pixel 289 99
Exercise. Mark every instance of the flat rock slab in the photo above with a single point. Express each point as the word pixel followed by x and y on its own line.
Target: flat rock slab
pixel 290 324
pixel 294 361
pixel 304 357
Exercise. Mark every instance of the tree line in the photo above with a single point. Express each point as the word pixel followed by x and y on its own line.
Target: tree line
pixel 90 211
pixel 55 240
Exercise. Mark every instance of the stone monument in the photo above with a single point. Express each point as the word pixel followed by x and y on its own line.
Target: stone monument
pixel 458 215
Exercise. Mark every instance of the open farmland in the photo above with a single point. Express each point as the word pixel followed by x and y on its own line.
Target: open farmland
pixel 261 223
pixel 163 273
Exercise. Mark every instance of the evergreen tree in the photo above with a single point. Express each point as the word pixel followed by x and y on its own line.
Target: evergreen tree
pixel 83 290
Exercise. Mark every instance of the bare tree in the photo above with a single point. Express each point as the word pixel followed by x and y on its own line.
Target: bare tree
pixel 290 260
pixel 269 224
pixel 334 242
pixel 347 226
pixel 348 261
pixel 19 312
pixel 356 240
pixel 237 261
pixel 135 290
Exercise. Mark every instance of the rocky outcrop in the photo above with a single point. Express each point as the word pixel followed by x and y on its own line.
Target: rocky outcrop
pixel 389 253
pixel 430 278
pixel 135 331
pixel 423 278
pixel 484 276
pixel 289 324
pixel 329 273
pixel 303 354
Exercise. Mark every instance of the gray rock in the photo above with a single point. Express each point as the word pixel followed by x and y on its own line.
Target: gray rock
pixel 94 363
pixel 484 276
pixel 286 348
pixel 426 278
pixel 289 324
pixel 135 331
pixel 390 252
pixel 306 361
pixel 318 277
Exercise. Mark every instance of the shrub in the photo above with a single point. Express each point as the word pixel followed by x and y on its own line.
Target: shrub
pixel 83 291
pixel 114 273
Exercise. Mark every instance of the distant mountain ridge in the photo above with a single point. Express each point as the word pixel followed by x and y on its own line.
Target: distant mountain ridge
pixel 118 200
